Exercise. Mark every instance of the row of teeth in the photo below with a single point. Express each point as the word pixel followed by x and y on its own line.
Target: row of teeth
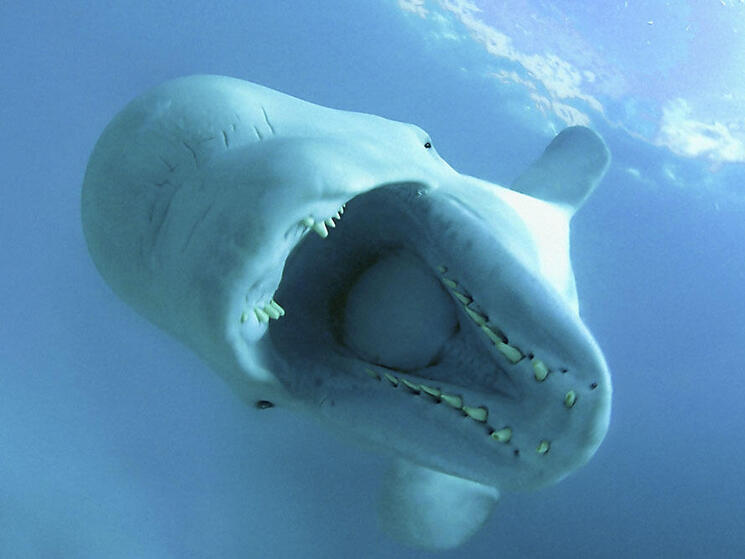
pixel 497 337
pixel 513 354
pixel 477 413
pixel 272 310
pixel 320 226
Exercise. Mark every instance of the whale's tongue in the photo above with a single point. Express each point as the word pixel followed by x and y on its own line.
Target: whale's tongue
pixel 398 314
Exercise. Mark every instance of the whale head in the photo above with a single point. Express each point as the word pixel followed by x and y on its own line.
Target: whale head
pixel 333 263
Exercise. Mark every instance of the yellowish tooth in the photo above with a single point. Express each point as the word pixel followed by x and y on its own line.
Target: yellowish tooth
pixel 337 215
pixel 450 283
pixel 512 354
pixel 410 385
pixel 341 208
pixel 478 414
pixel 477 317
pixel 271 311
pixel 373 374
pixel 451 400
pixel 503 435
pixel 261 315
pixel 390 378
pixel 570 398
pixel 330 222
pixel 434 392
pixel 465 299
pixel 320 228
pixel 491 334
pixel 539 370
pixel 280 310
pixel 543 447
pixel 244 317
pixel 308 221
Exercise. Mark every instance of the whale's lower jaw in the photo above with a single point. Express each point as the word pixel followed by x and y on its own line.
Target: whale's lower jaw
pixel 403 329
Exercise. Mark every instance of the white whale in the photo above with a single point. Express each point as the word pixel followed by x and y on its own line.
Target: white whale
pixel 436 320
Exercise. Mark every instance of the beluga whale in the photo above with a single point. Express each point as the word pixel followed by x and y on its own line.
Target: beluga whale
pixel 331 263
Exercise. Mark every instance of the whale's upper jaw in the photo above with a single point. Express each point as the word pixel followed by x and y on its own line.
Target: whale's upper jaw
pixel 503 384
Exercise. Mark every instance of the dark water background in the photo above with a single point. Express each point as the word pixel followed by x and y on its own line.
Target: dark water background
pixel 117 442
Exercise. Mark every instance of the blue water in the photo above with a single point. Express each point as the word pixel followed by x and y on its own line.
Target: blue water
pixel 115 441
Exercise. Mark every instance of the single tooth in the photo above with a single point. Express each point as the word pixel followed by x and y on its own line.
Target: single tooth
pixel 479 414
pixel 543 447
pixel 320 228
pixel 570 398
pixel 477 317
pixel 450 283
pixel 244 317
pixel 491 334
pixel 442 269
pixel 539 370
pixel 503 435
pixel 280 310
pixel 390 378
pixel 434 392
pixel 452 400
pixel 261 315
pixel 512 354
pixel 465 299
pixel 373 374
pixel 341 208
pixel 308 221
pixel 410 385
pixel 271 311
pixel 330 222
pixel 338 213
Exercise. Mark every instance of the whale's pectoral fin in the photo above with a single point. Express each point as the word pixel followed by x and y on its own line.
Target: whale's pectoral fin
pixel 569 169
pixel 429 509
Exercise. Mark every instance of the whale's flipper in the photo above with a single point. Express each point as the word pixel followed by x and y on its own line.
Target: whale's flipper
pixel 424 508
pixel 568 170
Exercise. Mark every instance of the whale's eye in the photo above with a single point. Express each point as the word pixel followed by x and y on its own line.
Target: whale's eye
pixel 427 145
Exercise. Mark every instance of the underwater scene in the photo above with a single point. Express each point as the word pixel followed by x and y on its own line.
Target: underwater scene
pixel 393 278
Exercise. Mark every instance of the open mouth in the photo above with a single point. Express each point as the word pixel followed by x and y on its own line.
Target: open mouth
pixel 402 299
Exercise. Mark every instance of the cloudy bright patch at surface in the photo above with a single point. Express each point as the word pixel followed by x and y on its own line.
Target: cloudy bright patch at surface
pixel 669 73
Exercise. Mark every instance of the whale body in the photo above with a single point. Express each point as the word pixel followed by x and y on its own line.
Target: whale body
pixel 332 263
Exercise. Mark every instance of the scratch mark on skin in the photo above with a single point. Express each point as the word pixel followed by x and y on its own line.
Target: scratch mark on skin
pixel 171 168
pixel 162 219
pixel 196 224
pixel 266 118
pixel 225 139
pixel 193 153
pixel 258 134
